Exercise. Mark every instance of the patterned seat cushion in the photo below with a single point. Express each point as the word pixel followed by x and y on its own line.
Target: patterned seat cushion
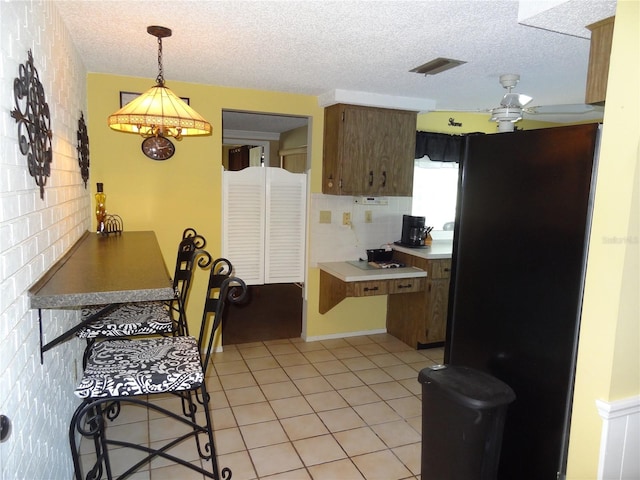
pixel 128 319
pixel 141 366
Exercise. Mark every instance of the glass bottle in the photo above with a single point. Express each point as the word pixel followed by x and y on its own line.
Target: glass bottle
pixel 101 209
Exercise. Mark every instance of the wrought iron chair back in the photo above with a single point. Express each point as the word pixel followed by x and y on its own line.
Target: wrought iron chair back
pixel 190 253
pixel 230 289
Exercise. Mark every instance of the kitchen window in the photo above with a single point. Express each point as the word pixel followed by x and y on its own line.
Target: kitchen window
pixel 435 190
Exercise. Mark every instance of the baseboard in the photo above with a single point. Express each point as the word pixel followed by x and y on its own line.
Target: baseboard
pixel 620 441
pixel 333 336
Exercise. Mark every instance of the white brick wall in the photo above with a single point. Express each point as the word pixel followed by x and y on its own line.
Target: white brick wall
pixel 34 233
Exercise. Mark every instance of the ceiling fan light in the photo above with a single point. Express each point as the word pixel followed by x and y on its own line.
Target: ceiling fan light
pixel 506 126
pixel 515 100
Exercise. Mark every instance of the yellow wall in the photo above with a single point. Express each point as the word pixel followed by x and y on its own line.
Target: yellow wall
pixel 185 190
pixel 294 138
pixel 471 123
pixel 608 359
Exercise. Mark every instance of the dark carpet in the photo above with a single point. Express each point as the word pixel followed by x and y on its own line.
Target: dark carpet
pixel 273 312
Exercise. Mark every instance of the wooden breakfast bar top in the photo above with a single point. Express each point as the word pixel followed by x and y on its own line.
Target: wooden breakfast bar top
pixel 105 269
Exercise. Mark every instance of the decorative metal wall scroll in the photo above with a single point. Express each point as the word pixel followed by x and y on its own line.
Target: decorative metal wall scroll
pixel 34 122
pixel 83 149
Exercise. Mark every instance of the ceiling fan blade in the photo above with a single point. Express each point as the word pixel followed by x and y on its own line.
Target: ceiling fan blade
pixel 570 108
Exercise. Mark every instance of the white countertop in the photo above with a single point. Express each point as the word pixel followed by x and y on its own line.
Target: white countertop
pixel 350 273
pixel 439 249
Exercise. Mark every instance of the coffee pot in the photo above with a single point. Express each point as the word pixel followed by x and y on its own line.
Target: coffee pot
pixel 414 232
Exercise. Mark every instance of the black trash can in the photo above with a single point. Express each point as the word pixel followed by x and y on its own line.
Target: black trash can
pixel 463 415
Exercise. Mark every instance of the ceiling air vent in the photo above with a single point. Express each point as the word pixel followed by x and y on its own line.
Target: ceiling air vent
pixel 437 66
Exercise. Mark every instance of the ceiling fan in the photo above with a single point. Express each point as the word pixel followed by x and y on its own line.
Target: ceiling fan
pixel 514 105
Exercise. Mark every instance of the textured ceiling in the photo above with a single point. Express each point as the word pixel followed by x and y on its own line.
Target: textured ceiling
pixel 316 47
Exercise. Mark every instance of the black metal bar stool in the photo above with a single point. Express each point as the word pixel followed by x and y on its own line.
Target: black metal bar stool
pixel 120 372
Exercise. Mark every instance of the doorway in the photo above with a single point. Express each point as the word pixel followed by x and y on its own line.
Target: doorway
pixel 274 310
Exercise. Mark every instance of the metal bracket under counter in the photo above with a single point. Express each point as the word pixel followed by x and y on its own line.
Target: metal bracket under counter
pixel 339 280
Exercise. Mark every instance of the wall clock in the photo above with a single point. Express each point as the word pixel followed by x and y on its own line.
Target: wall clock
pixel 34 122
pixel 158 148
pixel 83 149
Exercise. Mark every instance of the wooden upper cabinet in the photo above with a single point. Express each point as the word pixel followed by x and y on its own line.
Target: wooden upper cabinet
pixel 599 53
pixel 368 151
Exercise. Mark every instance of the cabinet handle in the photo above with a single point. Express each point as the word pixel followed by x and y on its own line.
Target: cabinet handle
pixel 373 289
pixel 370 178
pixel 384 178
pixel 446 269
pixel 405 286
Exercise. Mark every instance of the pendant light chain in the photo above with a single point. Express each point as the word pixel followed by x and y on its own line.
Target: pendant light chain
pixel 160 77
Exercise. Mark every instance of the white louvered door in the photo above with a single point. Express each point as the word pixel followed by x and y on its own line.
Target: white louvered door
pixel 286 195
pixel 243 215
pixel 264 223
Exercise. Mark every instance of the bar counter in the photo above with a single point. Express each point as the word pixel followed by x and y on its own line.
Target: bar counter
pixel 105 269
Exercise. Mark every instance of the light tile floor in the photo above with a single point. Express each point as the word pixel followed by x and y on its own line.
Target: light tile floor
pixel 287 409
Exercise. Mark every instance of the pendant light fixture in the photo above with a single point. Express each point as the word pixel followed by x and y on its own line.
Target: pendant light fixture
pixel 159 112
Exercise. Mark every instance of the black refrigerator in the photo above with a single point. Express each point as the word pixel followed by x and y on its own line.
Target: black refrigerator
pixel 518 266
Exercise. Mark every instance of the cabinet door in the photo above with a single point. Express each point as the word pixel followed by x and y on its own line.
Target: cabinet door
pixel 440 268
pixel 436 325
pixel 438 298
pixel 379 146
pixel 332 150
pixel 359 150
pixel 405 317
pixel 599 54
pixel 393 152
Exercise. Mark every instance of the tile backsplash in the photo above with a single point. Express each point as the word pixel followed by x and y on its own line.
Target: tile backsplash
pixel 335 242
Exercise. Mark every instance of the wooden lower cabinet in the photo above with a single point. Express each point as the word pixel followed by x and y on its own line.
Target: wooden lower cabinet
pixel 420 319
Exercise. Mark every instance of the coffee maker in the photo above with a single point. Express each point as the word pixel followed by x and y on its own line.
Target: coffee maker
pixel 413 231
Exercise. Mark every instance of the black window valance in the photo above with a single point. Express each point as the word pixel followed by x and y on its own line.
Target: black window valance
pixel 439 147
